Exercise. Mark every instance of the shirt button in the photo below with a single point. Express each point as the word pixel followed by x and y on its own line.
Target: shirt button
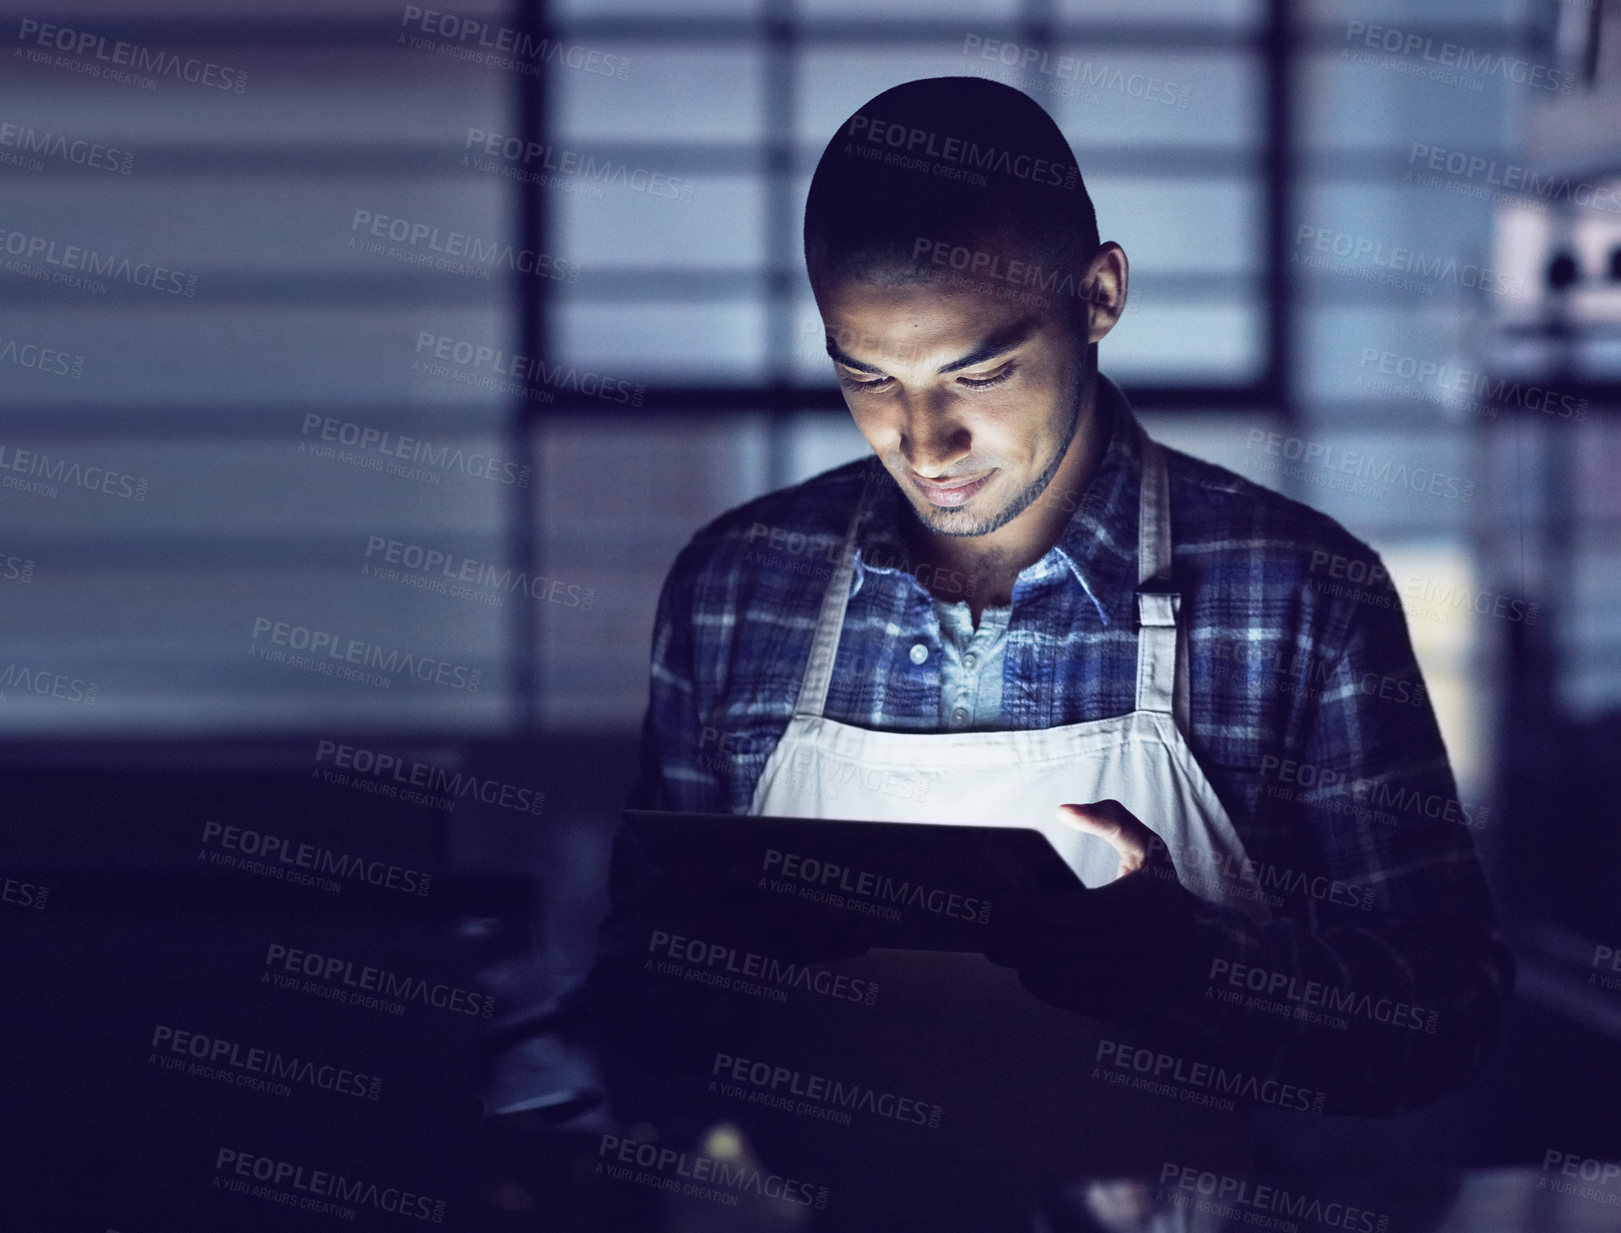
pixel 959 716
pixel 969 660
pixel 919 652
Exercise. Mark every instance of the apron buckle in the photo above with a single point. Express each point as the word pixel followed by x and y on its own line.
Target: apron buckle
pixel 1158 600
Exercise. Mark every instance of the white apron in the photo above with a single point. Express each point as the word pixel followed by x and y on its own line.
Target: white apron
pixel 1015 1077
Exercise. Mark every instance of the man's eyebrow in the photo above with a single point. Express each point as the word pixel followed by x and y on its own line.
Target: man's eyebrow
pixel 833 350
pixel 1002 341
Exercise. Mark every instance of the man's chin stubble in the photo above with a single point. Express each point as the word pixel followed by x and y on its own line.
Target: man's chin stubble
pixel 954 522
pixel 958 522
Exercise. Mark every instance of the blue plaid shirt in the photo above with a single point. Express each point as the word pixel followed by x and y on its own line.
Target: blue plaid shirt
pixel 1308 715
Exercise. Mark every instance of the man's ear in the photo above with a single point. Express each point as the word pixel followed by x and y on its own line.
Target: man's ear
pixel 1107 280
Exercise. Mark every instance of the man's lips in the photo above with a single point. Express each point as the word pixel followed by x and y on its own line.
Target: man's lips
pixel 953 490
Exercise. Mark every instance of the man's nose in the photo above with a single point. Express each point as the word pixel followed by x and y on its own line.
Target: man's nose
pixel 931 440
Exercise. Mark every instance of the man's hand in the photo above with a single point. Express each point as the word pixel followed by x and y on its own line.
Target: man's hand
pixel 1111 822
pixel 1116 952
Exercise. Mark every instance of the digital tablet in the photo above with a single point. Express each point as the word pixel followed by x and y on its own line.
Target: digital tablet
pixel 916 885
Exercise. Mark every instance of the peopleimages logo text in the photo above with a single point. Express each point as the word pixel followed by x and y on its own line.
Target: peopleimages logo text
pixel 381 981
pixel 1515 177
pixel 457 568
pixel 85 153
pixel 911 141
pixel 1407 43
pixel 461 244
pixel 823 875
pixel 832 1095
pixel 475 464
pixel 458 784
pixel 321 1184
pixel 528 51
pixel 266 848
pixel 526 156
pixel 273 1066
pixel 1333 457
pixel 526 368
pixel 370 654
pixel 1398 259
pixel 132 55
pixel 1268 1205
pixel 616 1157
pixel 1474 384
pixel 41 359
pixel 61 470
pixel 737 968
pixel 76 257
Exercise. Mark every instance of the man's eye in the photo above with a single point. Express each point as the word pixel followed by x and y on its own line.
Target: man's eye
pixel 985 383
pixel 852 383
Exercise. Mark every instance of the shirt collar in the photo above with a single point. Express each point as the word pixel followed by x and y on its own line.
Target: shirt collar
pixel 1097 548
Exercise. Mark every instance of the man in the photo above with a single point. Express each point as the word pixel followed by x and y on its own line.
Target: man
pixel 1023 611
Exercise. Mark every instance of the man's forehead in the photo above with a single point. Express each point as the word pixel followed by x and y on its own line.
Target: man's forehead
pixel 877 304
pixel 935 260
pixel 943 342
pixel 987 279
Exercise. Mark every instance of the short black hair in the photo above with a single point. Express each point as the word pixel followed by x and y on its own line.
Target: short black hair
pixel 957 178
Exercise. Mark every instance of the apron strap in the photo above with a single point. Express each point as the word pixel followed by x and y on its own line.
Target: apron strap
pixel 1162 646
pixel 830 622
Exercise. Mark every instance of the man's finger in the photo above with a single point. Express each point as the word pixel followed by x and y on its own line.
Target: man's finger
pixel 1113 823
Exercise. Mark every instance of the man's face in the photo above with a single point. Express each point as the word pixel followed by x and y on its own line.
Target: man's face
pixel 950 384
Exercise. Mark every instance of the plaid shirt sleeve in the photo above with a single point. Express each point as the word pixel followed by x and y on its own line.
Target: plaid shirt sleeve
pixel 1388 991
pixel 680 752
